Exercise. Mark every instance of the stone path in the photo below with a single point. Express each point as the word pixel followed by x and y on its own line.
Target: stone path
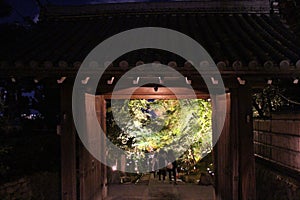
pixel 151 189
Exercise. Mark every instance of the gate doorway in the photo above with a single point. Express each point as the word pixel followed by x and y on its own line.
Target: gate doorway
pixel 233 153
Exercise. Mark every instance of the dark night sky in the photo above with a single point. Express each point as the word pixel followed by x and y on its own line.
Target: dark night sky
pixel 24 8
pixel 21 8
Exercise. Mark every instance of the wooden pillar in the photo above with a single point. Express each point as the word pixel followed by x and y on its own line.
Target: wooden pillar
pixel 243 126
pixel 68 145
pixel 89 167
pixel 234 142
pixel 101 103
pixel 222 150
pixel 234 153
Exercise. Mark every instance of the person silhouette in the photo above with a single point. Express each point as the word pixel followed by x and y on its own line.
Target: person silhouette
pixel 171 166
pixel 162 165
pixel 154 164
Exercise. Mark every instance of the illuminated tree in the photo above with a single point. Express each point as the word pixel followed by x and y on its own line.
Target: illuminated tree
pixel 148 125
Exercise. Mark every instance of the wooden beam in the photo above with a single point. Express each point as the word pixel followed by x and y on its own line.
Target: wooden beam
pixel 161 93
pixel 118 72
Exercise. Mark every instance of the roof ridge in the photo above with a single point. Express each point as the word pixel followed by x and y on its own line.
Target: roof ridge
pixel 257 6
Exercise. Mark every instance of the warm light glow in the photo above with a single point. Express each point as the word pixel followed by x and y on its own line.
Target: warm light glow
pixel 110 82
pixel 85 81
pixel 296 81
pixel 241 81
pixel 189 82
pixel 269 82
pixel 135 82
pixel 61 80
pixel 214 81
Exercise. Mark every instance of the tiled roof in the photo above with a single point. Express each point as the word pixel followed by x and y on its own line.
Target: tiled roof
pixel 233 40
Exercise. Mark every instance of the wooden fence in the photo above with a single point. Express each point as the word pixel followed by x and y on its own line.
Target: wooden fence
pixel 278 140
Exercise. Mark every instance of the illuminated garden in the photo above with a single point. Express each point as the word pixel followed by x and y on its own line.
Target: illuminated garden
pixel 142 127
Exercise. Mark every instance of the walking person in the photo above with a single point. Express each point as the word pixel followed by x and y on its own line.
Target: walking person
pixel 172 166
pixel 162 165
pixel 154 164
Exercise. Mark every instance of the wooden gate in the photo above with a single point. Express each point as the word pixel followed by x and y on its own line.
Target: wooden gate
pixel 92 173
pixel 223 151
pixel 82 176
pixel 234 152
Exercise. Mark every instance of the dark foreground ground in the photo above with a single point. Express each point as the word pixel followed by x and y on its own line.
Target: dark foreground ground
pixel 152 189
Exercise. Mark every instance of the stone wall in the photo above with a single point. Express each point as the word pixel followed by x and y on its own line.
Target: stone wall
pixel 278 140
pixel 19 189
pixel 272 185
pixel 277 151
pixel 41 186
